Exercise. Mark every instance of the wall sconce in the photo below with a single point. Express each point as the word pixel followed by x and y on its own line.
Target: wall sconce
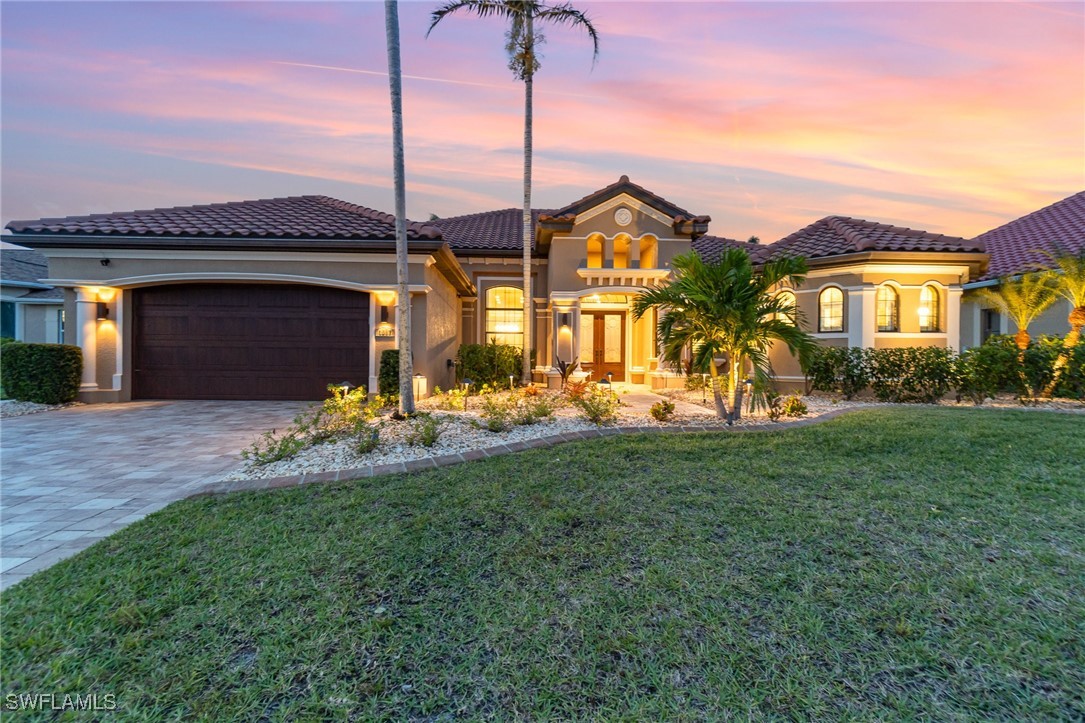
pixel 385 328
pixel 563 319
pixel 103 311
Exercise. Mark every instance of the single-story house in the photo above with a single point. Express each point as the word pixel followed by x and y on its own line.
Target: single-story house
pixel 276 299
pixel 29 310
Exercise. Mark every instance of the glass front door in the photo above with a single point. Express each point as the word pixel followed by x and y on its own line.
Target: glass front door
pixel 602 344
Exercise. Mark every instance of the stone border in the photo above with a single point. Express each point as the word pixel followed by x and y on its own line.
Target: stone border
pixel 415 465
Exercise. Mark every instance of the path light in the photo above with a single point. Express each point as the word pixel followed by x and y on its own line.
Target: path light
pixel 466 392
pixel 345 387
pixel 511 377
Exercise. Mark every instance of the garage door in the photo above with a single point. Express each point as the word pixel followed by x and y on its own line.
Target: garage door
pixel 247 341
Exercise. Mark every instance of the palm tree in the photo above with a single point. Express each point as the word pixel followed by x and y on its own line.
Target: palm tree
pixel 1022 299
pixel 1068 278
pixel 727 309
pixel 403 308
pixel 522 41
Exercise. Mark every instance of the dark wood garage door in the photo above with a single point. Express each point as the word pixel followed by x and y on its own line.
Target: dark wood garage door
pixel 248 341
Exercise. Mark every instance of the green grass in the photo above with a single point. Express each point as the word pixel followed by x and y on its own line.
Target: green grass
pixel 892 564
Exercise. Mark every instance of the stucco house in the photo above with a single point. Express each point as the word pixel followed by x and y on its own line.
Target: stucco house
pixel 275 299
pixel 29 310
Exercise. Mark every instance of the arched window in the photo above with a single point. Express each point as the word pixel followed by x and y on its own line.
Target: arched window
pixel 595 252
pixel 622 245
pixel 787 299
pixel 887 309
pixel 648 250
pixel 928 309
pixel 831 310
pixel 505 316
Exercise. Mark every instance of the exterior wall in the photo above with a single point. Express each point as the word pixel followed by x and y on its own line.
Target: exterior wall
pixel 37 323
pixel 439 336
pixel 1053 321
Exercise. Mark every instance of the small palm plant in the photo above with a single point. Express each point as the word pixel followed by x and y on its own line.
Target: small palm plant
pixel 727 309
pixel 1022 299
pixel 1068 279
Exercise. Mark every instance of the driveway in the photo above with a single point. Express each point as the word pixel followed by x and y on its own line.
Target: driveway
pixel 73 476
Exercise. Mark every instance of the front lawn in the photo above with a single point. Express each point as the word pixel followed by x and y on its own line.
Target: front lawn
pixel 894 563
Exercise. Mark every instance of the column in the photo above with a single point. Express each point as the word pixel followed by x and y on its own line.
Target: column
pixel 861 318
pixel 86 335
pixel 953 317
pixel 634 253
pixel 608 253
pixel 118 315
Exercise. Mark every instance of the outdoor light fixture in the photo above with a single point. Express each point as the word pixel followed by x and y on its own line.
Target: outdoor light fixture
pixel 345 386
pixel 385 328
pixel 563 319
pixel 103 311
pixel 466 392
pixel 511 377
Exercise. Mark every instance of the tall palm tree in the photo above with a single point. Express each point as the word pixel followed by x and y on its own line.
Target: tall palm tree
pixel 727 309
pixel 522 41
pixel 1068 278
pixel 403 308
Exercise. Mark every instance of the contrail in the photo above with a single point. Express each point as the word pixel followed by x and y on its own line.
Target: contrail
pixel 420 77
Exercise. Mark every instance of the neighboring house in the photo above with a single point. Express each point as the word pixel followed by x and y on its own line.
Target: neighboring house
pixel 275 299
pixel 1018 247
pixel 29 310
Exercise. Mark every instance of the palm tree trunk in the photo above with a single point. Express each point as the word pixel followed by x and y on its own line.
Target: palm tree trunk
pixel 734 397
pixel 528 343
pixel 717 396
pixel 1077 321
pixel 403 308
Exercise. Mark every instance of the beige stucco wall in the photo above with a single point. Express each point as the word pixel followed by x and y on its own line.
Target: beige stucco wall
pixel 39 322
pixel 438 338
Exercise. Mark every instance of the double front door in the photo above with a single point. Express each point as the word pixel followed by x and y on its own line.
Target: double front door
pixel 602 344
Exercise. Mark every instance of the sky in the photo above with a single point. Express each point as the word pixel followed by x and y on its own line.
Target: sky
pixel 949 117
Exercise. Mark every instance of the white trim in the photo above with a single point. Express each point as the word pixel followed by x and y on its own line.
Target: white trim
pixel 129 282
pixel 32 302
pixel 622 277
pixel 358 257
pixel 955 267
pixel 829 335
pixel 499 260
pixel 373 378
pixel 118 323
pixel 911 335
pixel 624 199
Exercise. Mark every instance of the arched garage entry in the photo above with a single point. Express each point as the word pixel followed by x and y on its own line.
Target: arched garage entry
pixel 247 341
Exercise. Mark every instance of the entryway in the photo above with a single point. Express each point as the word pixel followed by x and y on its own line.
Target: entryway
pixel 602 344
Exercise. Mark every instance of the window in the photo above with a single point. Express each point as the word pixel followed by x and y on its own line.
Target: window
pixel 595 252
pixel 787 300
pixel 622 245
pixel 505 316
pixel 887 309
pixel 990 324
pixel 648 248
pixel 831 310
pixel 7 319
pixel 60 326
pixel 928 309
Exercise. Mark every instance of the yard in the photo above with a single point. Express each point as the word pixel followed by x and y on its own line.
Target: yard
pixel 893 563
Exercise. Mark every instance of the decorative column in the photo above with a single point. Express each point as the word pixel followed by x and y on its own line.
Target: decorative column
pixel 861 318
pixel 953 317
pixel 86 335
pixel 118 314
pixel 608 253
pixel 634 253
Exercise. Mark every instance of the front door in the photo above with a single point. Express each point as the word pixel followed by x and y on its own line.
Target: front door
pixel 602 344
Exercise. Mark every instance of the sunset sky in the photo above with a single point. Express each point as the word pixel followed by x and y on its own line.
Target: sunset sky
pixel 951 117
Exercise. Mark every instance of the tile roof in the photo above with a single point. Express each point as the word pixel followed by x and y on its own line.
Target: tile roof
pixel 23 265
pixel 837 235
pixel 1017 246
pixel 487 231
pixel 710 248
pixel 50 293
pixel 624 185
pixel 295 217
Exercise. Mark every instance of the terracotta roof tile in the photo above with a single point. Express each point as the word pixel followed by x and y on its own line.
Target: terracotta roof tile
pixel 295 217
pixel 710 248
pixel 501 230
pixel 837 235
pixel 1017 246
pixel 624 185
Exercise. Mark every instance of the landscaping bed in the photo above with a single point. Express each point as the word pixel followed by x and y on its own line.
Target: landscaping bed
pixel 907 563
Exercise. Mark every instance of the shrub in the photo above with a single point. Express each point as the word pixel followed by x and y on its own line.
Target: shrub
pixel 424 430
pixel 531 391
pixel 368 441
pixel 42 373
pixel 5 340
pixel 576 390
pixel 838 370
pixel 1072 382
pixel 793 406
pixel 534 408
pixel 598 405
pixel 983 371
pixel 497 412
pixel 662 410
pixel 388 377
pixel 489 363
pixel 270 448
pixel 911 374
pixel 695 383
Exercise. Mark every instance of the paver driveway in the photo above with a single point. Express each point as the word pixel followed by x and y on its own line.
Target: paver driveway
pixel 73 476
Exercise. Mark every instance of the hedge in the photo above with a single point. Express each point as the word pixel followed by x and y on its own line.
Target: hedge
pixel 388 377
pixel 488 363
pixel 43 373
pixel 926 374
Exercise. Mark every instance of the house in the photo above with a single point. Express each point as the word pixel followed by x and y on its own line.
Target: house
pixel 276 299
pixel 1018 247
pixel 29 310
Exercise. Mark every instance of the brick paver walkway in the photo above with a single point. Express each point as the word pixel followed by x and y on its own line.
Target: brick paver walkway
pixel 73 476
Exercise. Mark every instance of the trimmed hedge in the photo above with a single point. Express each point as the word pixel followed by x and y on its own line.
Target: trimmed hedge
pixel 388 377
pixel 488 363
pixel 42 373
pixel 926 374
